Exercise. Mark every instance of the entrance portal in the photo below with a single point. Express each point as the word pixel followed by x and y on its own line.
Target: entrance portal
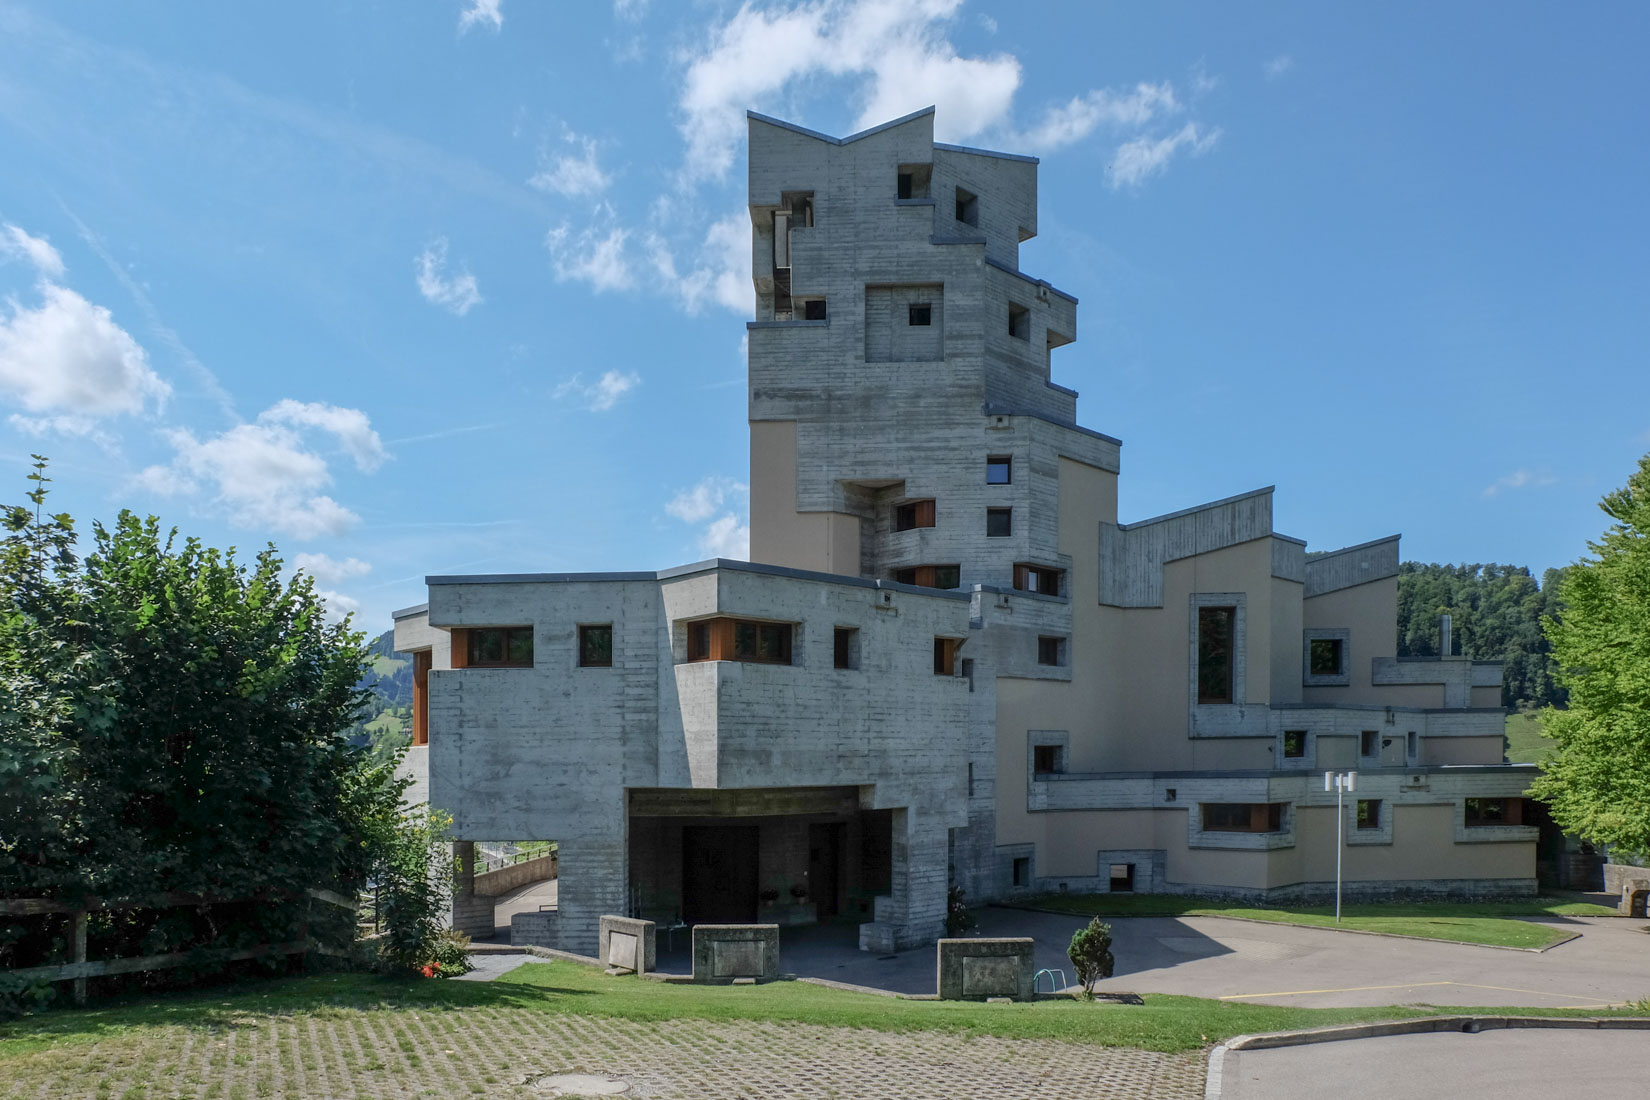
pixel 825 868
pixel 719 872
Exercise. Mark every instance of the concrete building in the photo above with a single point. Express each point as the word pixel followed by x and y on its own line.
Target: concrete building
pixel 948 661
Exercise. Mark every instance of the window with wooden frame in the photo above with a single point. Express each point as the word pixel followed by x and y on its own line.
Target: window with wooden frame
pixel 999 523
pixel 1294 744
pixel 999 470
pixel 945 656
pixel 1048 759
pixel 498 647
pixel 1215 647
pixel 596 645
pixel 845 644
pixel 930 576
pixel 1037 578
pixel 421 697
pixel 1494 811
pixel 913 514
pixel 749 640
pixel 1051 650
pixel 1369 813
pixel 1242 817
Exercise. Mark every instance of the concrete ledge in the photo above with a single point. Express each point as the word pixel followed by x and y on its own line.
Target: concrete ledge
pixel 1428 1025
pixel 977 969
pixel 628 943
pixel 723 952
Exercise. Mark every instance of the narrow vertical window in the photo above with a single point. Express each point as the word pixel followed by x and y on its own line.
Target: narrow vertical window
pixel 846 647
pixel 1215 629
pixel 968 207
pixel 1294 744
pixel 1019 322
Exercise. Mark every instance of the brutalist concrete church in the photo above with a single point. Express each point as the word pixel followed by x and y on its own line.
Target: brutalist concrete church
pixel 948 662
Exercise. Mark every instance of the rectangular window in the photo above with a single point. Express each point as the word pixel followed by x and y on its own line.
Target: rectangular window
pixel 1369 813
pixel 1051 651
pixel 1494 811
pixel 698 639
pixel 1414 745
pixel 1242 817
pixel 1022 871
pixel 1048 759
pixel 1216 627
pixel 596 645
pixel 1294 744
pixel 1037 578
pixel 1019 322
pixel 1325 657
pixel 930 576
pixel 846 647
pixel 501 647
pixel 999 523
pixel 968 207
pixel 739 640
pixel 921 314
pixel 813 309
pixel 912 514
pixel 1122 878
pixel 904 185
pixel 970 780
pixel 999 470
pixel 945 656
pixel 1369 743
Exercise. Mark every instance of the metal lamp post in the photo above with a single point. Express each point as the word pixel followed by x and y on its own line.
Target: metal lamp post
pixel 1340 783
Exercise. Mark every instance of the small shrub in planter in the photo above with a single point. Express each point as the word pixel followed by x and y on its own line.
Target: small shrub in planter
pixel 1090 953
pixel 957 917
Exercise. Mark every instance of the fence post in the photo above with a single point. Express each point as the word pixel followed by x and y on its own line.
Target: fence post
pixel 77 923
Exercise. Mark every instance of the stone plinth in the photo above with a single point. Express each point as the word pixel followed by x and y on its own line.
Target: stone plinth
pixel 723 952
pixel 533 929
pixel 628 943
pixel 1630 885
pixel 975 969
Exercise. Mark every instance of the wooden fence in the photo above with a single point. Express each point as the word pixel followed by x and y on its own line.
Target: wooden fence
pixel 82 967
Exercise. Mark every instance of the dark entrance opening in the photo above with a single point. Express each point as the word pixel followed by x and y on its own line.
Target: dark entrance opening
pixel 1122 877
pixel 825 868
pixel 719 871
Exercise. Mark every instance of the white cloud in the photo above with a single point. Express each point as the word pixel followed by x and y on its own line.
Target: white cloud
pixel 900 50
pixel 630 10
pixel 15 243
pixel 481 12
pixel 594 255
pixel 67 356
pixel 603 393
pixel 329 570
pixel 722 501
pixel 458 293
pixel 1070 122
pixel 267 474
pixel 1520 479
pixel 1137 161
pixel 574 173
pixel 1278 66
pixel 722 273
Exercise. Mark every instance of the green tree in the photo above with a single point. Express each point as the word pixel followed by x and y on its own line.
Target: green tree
pixel 1090 953
pixel 1597 782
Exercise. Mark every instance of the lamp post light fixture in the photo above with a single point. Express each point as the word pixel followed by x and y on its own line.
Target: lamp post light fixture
pixel 1340 783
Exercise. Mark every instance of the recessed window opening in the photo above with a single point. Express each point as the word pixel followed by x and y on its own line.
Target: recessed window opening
pixel 919 314
pixel 500 647
pixel 999 523
pixel 999 470
pixel 913 514
pixel 930 576
pixel 1022 871
pixel 1122 878
pixel 1019 322
pixel 945 656
pixel 813 309
pixel 1051 651
pixel 912 180
pixel 1369 743
pixel 1215 630
pixel 596 645
pixel 1294 744
pixel 1048 759
pixel 846 647
pixel 1494 811
pixel 725 639
pixel 1037 578
pixel 904 186
pixel 968 207
pixel 1325 657
pixel 801 204
pixel 1369 813
pixel 970 780
pixel 1242 817
pixel 968 674
pixel 1413 745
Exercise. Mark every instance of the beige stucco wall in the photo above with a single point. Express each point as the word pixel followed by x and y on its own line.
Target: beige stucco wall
pixel 1423 847
pixel 1370 612
pixel 1288 618
pixel 780 535
pixel 1462 750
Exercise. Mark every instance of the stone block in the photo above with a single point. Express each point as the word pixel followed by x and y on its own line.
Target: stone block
pixel 1631 886
pixel 877 937
pixel 979 969
pixel 628 943
pixel 533 929
pixel 724 952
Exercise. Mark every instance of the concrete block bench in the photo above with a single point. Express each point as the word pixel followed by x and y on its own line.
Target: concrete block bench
pixel 723 953
pixel 628 943
pixel 974 969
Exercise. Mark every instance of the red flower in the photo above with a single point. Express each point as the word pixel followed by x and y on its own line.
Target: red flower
pixel 429 971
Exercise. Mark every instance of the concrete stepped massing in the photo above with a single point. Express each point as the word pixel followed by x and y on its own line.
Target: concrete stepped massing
pixel 947 661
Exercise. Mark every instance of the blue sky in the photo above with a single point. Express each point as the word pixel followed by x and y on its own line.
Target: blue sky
pixel 458 285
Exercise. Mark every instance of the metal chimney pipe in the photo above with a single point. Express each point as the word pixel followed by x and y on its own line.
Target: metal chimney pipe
pixel 1446 646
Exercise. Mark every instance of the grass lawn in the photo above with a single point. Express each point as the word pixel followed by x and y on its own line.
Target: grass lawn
pixel 1525 745
pixel 1489 922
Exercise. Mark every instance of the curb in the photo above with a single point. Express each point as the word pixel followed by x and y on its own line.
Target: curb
pixel 1425 1025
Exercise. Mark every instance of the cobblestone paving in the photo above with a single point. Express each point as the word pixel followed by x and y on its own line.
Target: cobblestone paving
pixel 501 1052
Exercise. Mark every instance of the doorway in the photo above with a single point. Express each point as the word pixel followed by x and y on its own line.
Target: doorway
pixel 825 868
pixel 719 874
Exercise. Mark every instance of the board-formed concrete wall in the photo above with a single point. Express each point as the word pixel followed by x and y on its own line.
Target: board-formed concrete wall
pixel 724 953
pixel 974 969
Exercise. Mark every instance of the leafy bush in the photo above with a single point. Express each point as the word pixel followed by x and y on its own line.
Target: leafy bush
pixel 1090 953
pixel 957 917
pixel 415 882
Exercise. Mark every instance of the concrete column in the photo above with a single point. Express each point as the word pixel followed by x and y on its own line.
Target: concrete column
pixel 472 914
pixel 593 875
pixel 920 877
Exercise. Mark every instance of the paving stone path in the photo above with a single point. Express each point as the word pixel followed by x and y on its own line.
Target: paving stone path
pixel 504 1052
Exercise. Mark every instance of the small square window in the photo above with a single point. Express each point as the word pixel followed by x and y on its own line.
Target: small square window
pixel 1051 651
pixel 1022 871
pixel 1294 744
pixel 596 645
pixel 1019 322
pixel 1369 743
pixel 1325 657
pixel 1048 759
pixel 1369 813
pixel 847 647
pixel 813 309
pixel 999 470
pixel 920 314
pixel 999 523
